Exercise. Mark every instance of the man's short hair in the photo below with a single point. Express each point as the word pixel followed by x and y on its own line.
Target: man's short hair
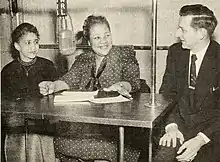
pixel 202 17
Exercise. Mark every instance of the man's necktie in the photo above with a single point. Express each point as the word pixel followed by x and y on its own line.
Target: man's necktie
pixel 193 71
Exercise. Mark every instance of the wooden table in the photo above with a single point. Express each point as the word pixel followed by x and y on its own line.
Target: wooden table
pixel 134 113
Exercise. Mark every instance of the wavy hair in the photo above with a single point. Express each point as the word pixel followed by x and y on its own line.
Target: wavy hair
pixel 202 17
pixel 92 20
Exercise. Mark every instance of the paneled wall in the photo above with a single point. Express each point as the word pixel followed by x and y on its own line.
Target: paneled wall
pixel 130 22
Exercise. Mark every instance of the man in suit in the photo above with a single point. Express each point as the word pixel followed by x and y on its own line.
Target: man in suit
pixel 193 75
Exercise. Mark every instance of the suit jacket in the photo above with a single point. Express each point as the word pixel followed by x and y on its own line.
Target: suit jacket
pixel 205 115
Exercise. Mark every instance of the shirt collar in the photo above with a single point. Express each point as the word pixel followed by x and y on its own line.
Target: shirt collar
pixel 202 52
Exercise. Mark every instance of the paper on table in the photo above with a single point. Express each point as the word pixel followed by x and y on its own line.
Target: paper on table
pixel 119 98
pixel 70 96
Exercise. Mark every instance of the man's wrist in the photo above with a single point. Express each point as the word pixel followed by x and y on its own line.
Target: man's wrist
pixel 204 137
pixel 171 126
pixel 201 140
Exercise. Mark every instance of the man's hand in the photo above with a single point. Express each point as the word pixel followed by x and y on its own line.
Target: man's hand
pixel 171 135
pixel 46 87
pixel 191 148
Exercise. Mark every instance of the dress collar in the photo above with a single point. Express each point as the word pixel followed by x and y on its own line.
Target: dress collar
pixel 27 63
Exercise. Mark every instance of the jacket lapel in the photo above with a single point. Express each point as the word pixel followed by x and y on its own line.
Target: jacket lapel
pixel 206 76
pixel 182 70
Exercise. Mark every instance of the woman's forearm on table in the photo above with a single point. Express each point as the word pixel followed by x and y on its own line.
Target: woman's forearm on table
pixel 60 85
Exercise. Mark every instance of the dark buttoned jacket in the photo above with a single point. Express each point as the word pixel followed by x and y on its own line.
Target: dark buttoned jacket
pixel 204 116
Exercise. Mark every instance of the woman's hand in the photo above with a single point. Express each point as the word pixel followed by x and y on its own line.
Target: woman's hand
pixel 49 87
pixel 46 87
pixel 122 87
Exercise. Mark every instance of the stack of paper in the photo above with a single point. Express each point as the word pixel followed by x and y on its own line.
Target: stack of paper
pixel 109 100
pixel 70 96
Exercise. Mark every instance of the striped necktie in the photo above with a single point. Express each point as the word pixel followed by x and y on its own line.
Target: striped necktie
pixel 193 71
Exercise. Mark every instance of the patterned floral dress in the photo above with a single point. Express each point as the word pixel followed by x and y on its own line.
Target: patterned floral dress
pixel 89 141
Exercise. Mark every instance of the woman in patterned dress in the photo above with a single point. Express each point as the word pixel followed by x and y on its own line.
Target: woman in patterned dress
pixel 104 66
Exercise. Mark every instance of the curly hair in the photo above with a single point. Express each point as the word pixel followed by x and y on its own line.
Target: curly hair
pixel 92 20
pixel 202 17
pixel 18 33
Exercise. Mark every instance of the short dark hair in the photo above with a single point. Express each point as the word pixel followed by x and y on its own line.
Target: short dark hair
pixel 203 17
pixel 18 33
pixel 92 20
pixel 80 39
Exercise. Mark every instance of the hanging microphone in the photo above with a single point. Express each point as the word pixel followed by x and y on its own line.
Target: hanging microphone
pixel 66 37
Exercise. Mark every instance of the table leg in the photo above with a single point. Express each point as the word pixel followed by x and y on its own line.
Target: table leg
pixel 121 145
pixel 150 146
pixel 26 140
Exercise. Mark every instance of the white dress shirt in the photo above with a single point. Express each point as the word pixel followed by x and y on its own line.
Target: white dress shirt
pixel 200 55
